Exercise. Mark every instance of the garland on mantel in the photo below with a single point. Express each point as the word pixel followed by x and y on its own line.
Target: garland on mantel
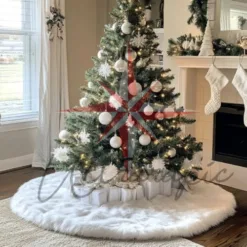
pixel 180 47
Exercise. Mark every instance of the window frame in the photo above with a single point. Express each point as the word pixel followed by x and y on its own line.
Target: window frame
pixel 30 78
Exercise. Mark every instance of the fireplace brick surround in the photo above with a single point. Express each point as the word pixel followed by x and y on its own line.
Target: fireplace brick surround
pixel 195 94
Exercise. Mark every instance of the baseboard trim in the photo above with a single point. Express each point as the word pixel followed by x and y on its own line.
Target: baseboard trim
pixel 15 163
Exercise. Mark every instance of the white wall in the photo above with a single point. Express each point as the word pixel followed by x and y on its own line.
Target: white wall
pixel 175 24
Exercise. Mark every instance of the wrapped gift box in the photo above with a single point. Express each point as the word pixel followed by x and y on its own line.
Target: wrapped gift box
pixel 127 195
pixel 139 192
pixel 114 194
pixel 166 187
pixel 83 193
pixel 151 189
pixel 99 196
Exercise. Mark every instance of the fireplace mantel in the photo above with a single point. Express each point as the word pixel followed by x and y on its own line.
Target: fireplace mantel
pixel 222 62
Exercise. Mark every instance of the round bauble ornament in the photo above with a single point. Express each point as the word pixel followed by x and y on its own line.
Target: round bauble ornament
pixel 145 140
pixel 156 86
pixel 64 135
pixel 159 116
pixel 131 56
pixel 114 26
pixel 105 118
pixel 90 84
pixel 172 153
pixel 84 102
pixel 169 112
pixel 135 88
pixel 116 142
pixel 148 110
pixel 126 27
pixel 121 65
pixel 100 54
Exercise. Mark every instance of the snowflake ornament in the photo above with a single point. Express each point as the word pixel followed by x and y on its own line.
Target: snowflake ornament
pixel 61 154
pixel 158 164
pixel 139 41
pixel 110 172
pixel 105 70
pixel 84 136
pixel 115 101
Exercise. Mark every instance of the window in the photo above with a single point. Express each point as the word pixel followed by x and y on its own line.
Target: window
pixel 18 60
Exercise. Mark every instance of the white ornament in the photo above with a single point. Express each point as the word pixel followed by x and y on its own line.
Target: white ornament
pixel 145 140
pixel 90 84
pixel 114 26
pixel 61 154
pixel 148 110
pixel 158 164
pixel 135 88
pixel 105 70
pixel 64 135
pixel 121 65
pixel 126 27
pixel 207 44
pixel 105 118
pixel 139 41
pixel 110 172
pixel 115 101
pixel 159 116
pixel 116 142
pixel 143 22
pixel 100 54
pixel 84 102
pixel 131 56
pixel 192 45
pixel 186 44
pixel 156 86
pixel 169 112
pixel 172 152
pixel 84 136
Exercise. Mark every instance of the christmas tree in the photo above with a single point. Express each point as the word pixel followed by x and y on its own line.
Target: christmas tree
pixel 127 122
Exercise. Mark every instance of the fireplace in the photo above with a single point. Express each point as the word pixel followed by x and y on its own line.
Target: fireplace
pixel 230 135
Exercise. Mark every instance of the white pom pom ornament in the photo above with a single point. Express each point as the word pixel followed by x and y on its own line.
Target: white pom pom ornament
pixel 156 86
pixel 116 142
pixel 90 84
pixel 64 135
pixel 126 27
pixel 135 88
pixel 84 102
pixel 105 118
pixel 158 164
pixel 144 140
pixel 121 65
pixel 131 56
pixel 148 110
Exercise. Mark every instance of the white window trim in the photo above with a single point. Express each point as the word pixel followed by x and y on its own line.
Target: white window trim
pixel 29 119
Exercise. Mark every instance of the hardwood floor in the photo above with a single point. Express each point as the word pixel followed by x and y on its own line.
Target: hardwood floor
pixel 231 233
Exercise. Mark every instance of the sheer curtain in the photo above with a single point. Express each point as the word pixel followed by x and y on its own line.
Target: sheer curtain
pixel 53 92
pixel 225 20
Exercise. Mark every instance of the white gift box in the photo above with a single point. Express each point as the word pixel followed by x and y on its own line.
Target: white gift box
pixel 99 196
pixel 139 192
pixel 77 179
pixel 114 194
pixel 126 195
pixel 166 187
pixel 81 192
pixel 151 189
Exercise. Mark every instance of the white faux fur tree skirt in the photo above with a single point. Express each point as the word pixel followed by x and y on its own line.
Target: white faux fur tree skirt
pixel 161 218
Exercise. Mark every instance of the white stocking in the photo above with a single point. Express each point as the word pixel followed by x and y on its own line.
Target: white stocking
pixel 217 82
pixel 240 83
